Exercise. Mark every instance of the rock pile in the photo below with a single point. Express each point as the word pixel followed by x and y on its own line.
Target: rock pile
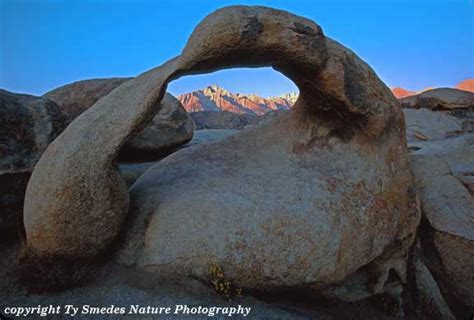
pixel 331 196
pixel 440 99
pixel 323 201
pixel 170 128
pixel 27 125
pixel 439 132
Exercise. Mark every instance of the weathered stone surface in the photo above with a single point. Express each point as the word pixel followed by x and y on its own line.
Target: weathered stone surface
pixel 132 171
pixel 442 161
pixel 170 128
pixel 452 115
pixel 440 99
pixel 457 258
pixel 304 200
pixel 468 180
pixel 27 125
pixel 446 203
pixel 119 286
pixel 449 209
pixel 424 124
pixel 77 97
pixel 124 287
pixel 457 152
pixel 430 301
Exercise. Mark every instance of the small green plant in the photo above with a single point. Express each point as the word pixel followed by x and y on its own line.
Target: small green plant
pixel 221 284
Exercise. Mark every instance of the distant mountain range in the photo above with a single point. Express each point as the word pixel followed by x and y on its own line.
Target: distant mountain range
pixel 215 98
pixel 466 85
pixel 402 93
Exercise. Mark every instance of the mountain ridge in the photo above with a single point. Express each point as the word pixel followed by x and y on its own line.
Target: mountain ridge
pixel 215 98
pixel 465 85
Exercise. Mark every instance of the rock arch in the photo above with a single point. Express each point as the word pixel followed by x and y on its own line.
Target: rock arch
pixel 76 201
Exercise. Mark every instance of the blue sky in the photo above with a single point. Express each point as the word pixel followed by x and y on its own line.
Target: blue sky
pixel 47 43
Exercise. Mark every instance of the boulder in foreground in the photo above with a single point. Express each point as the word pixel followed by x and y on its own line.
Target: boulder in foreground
pixel 303 200
pixel 310 199
pixel 440 99
pixel 27 125
pixel 170 128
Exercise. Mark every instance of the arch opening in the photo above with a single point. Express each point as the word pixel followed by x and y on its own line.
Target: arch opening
pixel 246 91
pixel 338 93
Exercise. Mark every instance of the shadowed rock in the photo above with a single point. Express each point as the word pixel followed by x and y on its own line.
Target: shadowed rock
pixel 440 99
pixel 430 301
pixel 170 128
pixel 132 171
pixel 448 208
pixel 442 154
pixel 304 200
pixel 27 125
pixel 424 125
pixel 77 97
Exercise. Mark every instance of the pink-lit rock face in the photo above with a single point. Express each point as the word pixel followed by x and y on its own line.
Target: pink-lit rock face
pixel 402 93
pixel 466 85
pixel 215 98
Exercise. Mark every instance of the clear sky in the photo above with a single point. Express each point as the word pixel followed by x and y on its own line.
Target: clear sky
pixel 47 43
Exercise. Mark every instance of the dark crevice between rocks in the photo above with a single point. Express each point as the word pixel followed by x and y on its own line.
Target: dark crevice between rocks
pixel 12 200
pixel 434 264
pixel 50 274
pixel 465 113
pixel 129 154
pixel 376 307
pixel 410 293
